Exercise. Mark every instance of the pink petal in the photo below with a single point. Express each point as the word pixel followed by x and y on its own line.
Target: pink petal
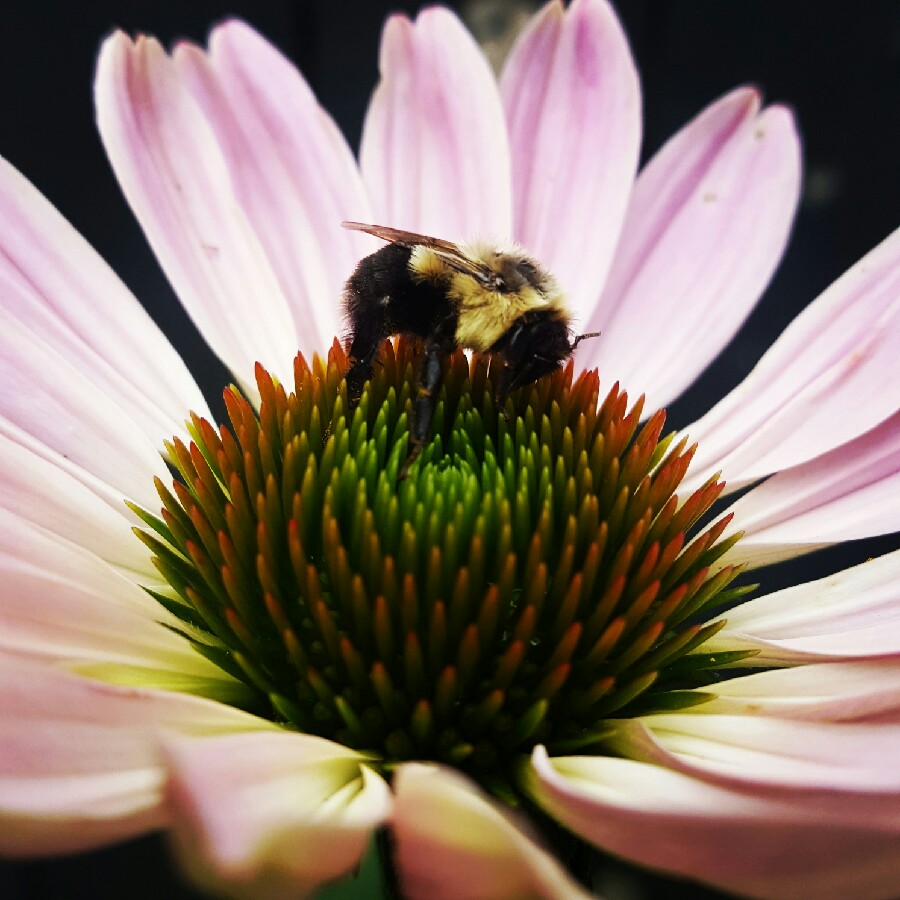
pixel 57 287
pixel 828 378
pixel 174 175
pixel 826 692
pixel 290 168
pixel 62 604
pixel 707 224
pixel 573 107
pixel 271 815
pixel 854 614
pixel 776 844
pixel 846 760
pixel 434 152
pixel 454 842
pixel 48 399
pixel 79 764
pixel 38 486
pixel 846 494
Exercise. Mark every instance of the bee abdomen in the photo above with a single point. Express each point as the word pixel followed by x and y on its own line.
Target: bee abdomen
pixel 382 298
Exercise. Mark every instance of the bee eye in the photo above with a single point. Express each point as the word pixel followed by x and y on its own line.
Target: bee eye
pixel 528 270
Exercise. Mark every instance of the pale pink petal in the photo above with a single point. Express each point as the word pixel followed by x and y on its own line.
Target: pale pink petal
pixel 825 692
pixel 57 286
pixel 707 223
pixel 41 486
pixel 63 604
pixel 849 493
pixel 776 844
pixel 830 377
pixel 291 171
pixel 434 153
pixel 79 760
pixel 453 842
pixel 52 400
pixel 271 815
pixel 847 760
pixel 854 614
pixel 173 173
pixel 573 108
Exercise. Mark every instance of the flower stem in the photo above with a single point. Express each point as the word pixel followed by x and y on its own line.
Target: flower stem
pixel 385 843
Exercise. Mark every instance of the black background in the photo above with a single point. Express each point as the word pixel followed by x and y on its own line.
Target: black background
pixel 836 62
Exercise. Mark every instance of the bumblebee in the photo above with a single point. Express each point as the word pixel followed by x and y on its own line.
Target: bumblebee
pixel 479 296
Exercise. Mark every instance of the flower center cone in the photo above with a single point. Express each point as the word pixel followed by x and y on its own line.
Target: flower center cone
pixel 530 580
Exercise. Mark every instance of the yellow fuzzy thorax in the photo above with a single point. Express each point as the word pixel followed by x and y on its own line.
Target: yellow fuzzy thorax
pixel 486 315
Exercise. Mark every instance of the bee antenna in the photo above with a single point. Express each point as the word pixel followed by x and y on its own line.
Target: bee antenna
pixel 582 337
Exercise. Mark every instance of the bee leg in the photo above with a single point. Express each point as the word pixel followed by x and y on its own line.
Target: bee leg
pixel 430 379
pixel 502 391
pixel 362 364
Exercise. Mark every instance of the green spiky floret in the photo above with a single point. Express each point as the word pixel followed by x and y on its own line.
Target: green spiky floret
pixel 530 580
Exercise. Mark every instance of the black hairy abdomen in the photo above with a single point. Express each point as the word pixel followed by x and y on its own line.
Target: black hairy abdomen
pixel 381 299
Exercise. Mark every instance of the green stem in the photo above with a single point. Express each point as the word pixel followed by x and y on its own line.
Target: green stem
pixel 385 843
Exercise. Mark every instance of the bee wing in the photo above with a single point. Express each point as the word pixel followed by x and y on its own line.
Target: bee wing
pixel 398 236
pixel 446 250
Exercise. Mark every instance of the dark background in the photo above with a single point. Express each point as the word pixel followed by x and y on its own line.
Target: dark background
pixel 837 62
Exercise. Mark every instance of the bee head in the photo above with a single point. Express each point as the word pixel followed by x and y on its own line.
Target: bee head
pixel 535 345
pixel 512 272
